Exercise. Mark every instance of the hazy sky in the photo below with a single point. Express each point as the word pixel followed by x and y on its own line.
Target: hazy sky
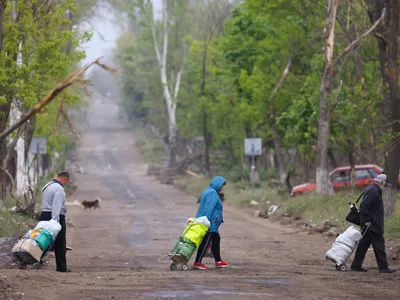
pixel 106 27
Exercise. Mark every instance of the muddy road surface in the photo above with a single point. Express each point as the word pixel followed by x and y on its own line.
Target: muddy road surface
pixel 119 251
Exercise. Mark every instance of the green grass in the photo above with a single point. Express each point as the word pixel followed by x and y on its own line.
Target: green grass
pixel 150 146
pixel 12 224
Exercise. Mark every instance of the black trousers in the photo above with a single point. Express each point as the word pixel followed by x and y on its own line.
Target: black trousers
pixel 60 245
pixel 378 243
pixel 215 240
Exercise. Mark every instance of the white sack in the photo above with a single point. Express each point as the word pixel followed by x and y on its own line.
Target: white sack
pixel 350 237
pixel 53 226
pixel 203 220
pixel 339 253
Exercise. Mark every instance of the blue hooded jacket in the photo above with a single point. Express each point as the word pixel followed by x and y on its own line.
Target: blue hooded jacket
pixel 211 204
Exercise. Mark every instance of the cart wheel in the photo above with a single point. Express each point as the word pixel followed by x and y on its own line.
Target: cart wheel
pixel 343 268
pixel 337 268
pixel 36 265
pixel 173 267
pixel 184 267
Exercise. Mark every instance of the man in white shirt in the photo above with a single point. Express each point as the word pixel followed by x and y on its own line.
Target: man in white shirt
pixel 53 207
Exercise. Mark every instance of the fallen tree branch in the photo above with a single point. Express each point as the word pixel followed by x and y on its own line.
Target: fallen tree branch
pixel 74 77
pixel 352 45
pixel 5 171
pixel 55 130
pixel 69 124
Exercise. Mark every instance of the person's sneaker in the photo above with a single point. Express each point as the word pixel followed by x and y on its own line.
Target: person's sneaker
pixel 387 271
pixel 358 269
pixel 199 266
pixel 222 264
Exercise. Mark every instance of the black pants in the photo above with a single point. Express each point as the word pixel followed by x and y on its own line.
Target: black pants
pixel 60 245
pixel 378 244
pixel 215 240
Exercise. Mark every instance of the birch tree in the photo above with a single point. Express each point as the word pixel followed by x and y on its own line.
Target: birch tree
pixel 170 84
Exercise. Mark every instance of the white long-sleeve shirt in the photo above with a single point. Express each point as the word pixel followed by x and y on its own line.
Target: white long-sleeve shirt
pixel 53 199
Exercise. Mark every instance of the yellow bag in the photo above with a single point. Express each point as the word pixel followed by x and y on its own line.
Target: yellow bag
pixel 195 232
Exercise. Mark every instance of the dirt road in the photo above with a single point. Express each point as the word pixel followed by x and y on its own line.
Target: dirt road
pixel 119 250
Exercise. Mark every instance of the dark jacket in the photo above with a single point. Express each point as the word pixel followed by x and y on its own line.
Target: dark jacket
pixel 371 209
pixel 211 204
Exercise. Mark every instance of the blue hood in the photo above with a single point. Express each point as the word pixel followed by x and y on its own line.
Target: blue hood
pixel 217 182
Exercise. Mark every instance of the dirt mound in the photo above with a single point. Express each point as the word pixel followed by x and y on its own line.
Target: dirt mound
pixel 394 253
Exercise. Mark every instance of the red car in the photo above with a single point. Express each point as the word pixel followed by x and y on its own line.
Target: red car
pixel 340 178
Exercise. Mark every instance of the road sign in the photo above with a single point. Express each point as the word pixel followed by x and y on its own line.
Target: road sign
pixel 38 145
pixel 252 146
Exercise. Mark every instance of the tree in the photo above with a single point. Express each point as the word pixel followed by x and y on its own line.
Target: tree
pixel 170 84
pixel 323 183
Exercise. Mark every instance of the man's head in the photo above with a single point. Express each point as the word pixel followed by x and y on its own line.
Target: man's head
pixel 63 177
pixel 382 181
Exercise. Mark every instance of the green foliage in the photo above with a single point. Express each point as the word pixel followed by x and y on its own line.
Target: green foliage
pixel 231 73
pixel 39 49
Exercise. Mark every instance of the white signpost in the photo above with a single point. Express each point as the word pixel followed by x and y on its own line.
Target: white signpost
pixel 252 147
pixel 38 147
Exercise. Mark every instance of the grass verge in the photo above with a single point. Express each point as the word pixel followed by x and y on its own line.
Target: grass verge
pixel 10 223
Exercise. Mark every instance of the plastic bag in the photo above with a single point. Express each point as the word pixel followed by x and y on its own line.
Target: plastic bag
pixel 195 232
pixel 53 226
pixel 203 220
pixel 339 253
pixel 44 239
pixel 350 237
pixel 27 234
pixel 34 233
pixel 185 247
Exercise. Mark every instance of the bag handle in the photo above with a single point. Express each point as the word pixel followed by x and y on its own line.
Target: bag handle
pixel 359 197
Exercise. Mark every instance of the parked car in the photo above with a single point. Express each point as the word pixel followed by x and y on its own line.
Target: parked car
pixel 340 178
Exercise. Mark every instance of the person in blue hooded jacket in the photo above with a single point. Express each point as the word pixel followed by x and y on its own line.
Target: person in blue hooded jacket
pixel 211 206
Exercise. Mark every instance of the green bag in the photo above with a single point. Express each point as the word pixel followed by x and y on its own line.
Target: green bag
pixel 185 247
pixel 44 239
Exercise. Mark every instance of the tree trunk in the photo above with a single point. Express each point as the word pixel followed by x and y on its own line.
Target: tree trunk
pixel 206 134
pixel 324 185
pixel 278 151
pixel 332 158
pixel 4 109
pixel 393 14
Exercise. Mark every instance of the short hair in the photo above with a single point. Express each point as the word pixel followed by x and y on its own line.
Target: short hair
pixel 64 174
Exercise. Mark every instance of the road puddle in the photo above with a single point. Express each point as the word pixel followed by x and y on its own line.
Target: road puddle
pixel 266 281
pixel 199 294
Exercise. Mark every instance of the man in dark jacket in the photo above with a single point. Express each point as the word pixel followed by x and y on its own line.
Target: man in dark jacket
pixel 372 216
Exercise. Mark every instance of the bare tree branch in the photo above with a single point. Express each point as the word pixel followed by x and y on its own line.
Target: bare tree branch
pixel 285 72
pixel 153 32
pixel 352 45
pixel 332 108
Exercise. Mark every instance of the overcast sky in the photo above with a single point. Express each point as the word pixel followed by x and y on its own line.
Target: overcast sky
pixel 105 26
